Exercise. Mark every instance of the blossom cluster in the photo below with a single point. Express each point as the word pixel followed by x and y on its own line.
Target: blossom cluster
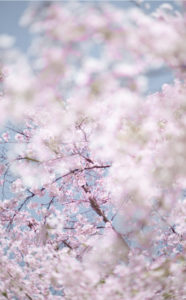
pixel 92 165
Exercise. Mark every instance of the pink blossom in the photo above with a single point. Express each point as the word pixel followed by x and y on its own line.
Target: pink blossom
pixel 94 169
pixel 6 136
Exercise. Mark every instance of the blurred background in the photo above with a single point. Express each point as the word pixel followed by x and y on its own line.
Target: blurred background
pixel 11 32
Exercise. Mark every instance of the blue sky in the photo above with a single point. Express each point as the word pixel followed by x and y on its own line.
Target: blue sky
pixel 10 13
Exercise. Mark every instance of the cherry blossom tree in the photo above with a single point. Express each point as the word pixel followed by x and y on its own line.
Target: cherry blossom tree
pixel 92 165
